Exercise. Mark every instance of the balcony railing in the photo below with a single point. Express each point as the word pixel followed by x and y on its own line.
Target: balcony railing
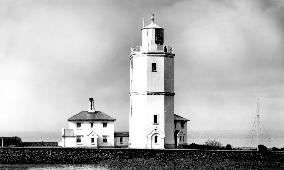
pixel 166 49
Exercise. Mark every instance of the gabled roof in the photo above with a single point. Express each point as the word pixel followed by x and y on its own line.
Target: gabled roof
pixel 91 116
pixel 121 134
pixel 177 117
pixel 68 133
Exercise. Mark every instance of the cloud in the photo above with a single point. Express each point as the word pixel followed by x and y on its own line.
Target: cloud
pixel 56 54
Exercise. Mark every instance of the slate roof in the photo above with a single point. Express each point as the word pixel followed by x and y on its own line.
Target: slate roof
pixel 91 116
pixel 177 117
pixel 121 134
pixel 68 133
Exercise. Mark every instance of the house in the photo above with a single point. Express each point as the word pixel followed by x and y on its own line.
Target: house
pixel 89 129
pixel 121 139
pixel 180 130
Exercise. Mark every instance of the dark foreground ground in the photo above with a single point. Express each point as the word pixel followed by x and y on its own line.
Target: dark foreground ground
pixel 142 159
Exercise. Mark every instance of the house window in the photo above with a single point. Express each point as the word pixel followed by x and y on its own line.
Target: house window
pixel 156 139
pixel 104 139
pixel 180 138
pixel 121 139
pixel 78 125
pixel 155 119
pixel 78 139
pixel 92 140
pixel 104 125
pixel 182 125
pixel 92 124
pixel 183 138
pixel 154 67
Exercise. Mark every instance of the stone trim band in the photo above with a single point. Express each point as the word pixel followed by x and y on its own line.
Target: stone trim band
pixel 152 93
pixel 149 54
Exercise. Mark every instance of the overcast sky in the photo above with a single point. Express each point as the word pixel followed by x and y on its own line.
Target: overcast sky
pixel 55 54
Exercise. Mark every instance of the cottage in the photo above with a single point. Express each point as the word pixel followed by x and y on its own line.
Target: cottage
pixel 180 130
pixel 89 129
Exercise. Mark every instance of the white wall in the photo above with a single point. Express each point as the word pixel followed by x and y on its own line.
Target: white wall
pixel 124 143
pixel 97 132
pixel 155 80
pixel 68 141
pixel 184 132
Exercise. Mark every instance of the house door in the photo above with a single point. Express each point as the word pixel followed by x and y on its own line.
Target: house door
pixel 176 138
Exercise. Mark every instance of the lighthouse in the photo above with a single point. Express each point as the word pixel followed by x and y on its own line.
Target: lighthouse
pixel 151 112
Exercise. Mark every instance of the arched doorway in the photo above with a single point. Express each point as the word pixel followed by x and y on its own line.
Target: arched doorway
pixel 156 142
pixel 176 138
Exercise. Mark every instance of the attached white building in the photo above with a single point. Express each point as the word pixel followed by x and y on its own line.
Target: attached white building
pixel 121 139
pixel 89 129
pixel 151 113
pixel 180 130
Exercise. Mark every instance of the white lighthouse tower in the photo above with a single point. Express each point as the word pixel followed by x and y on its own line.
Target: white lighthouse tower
pixel 151 115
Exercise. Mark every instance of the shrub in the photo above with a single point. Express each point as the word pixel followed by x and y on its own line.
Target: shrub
pixel 262 148
pixel 213 144
pixel 228 147
pixel 275 149
pixel 11 141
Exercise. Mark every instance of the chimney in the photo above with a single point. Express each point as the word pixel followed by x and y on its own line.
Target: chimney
pixel 91 105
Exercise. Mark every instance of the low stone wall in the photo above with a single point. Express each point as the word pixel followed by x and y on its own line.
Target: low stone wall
pixel 95 156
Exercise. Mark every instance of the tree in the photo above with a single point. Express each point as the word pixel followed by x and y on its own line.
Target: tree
pixel 213 144
pixel 262 148
pixel 12 141
pixel 228 147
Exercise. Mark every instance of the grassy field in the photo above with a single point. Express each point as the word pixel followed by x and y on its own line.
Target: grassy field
pixel 58 158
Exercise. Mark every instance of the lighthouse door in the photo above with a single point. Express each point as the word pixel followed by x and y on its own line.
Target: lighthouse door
pixel 156 141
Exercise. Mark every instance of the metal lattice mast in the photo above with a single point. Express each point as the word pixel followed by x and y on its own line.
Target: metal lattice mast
pixel 257 131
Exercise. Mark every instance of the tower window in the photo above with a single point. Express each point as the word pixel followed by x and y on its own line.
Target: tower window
pixel 92 124
pixel 121 139
pixel 155 119
pixel 156 139
pixel 154 67
pixel 78 125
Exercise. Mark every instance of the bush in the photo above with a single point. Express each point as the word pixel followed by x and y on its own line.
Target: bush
pixel 11 141
pixel 275 149
pixel 213 144
pixel 228 147
pixel 262 148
